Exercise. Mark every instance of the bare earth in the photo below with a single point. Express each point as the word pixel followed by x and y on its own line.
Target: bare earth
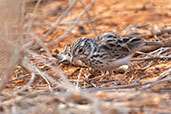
pixel 121 17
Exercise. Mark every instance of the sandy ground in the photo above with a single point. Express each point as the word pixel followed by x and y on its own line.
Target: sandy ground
pixel 118 16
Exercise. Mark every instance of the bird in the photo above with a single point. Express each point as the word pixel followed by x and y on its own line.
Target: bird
pixel 106 52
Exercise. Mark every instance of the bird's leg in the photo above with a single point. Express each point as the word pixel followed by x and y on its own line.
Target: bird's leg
pixel 93 73
pixel 92 76
pixel 88 81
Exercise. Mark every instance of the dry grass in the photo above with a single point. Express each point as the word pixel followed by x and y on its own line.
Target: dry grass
pixel 10 32
pixel 39 85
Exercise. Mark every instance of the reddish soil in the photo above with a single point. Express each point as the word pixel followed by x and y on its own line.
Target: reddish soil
pixel 107 15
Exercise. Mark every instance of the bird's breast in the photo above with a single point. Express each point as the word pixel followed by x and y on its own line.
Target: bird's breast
pixel 109 64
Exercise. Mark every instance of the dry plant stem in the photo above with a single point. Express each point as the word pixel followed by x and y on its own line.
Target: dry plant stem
pixel 128 100
pixel 21 27
pixel 104 81
pixel 10 38
pixel 155 36
pixel 81 22
pixel 56 23
pixel 11 101
pixel 19 78
pixel 64 23
pixel 97 106
pixel 65 82
pixel 44 76
pixel 158 32
pixel 147 66
pixel 150 58
pixel 134 28
pixel 155 82
pixel 164 74
pixel 30 68
pixel 126 86
pixel 70 13
pixel 106 84
pixel 77 84
pixel 71 27
pixel 156 111
pixel 60 19
pixel 89 18
pixel 164 43
pixel 150 55
pixel 28 84
pixel 32 18
pixel 38 41
pixel 14 61
pixel 153 55
pixel 167 43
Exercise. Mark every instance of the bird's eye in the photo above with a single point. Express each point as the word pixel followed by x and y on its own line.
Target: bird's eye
pixel 80 50
pixel 69 54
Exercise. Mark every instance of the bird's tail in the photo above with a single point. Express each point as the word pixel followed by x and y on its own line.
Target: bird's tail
pixel 159 43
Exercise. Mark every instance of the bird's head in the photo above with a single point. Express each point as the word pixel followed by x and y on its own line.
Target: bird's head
pixel 81 49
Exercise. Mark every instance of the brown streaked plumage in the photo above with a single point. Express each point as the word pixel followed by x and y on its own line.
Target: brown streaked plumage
pixel 106 52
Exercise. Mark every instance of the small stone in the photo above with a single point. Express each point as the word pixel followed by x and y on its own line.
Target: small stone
pixel 122 69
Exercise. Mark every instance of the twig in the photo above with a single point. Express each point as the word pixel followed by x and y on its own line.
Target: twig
pixel 164 43
pixel 156 111
pixel 153 55
pixel 144 54
pixel 77 84
pixel 56 23
pixel 28 84
pixel 39 42
pixel 32 18
pixel 19 78
pixel 147 66
pixel 158 32
pixel 150 58
pixel 30 68
pixel 155 82
pixel 89 18
pixel 26 75
pixel 109 83
pixel 135 28
pixel 65 83
pixel 126 86
pixel 164 74
pixel 43 75
pixel 71 27
pixel 49 24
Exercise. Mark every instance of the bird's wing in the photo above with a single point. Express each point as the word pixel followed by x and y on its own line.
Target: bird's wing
pixel 118 46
